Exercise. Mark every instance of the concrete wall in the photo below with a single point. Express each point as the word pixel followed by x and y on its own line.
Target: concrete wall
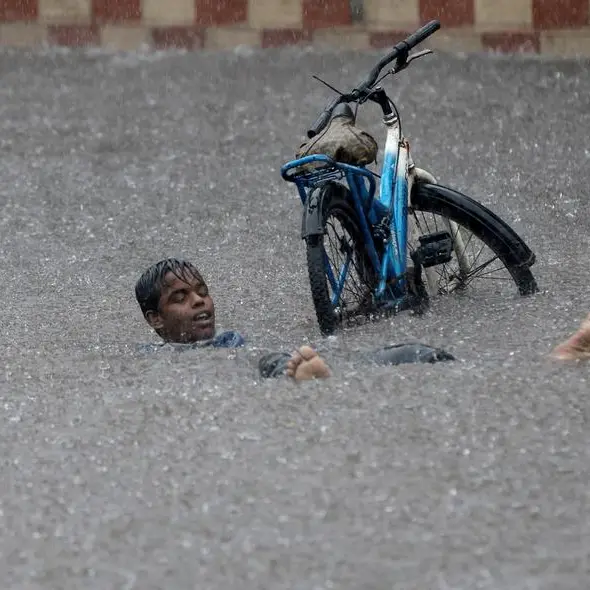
pixel 558 27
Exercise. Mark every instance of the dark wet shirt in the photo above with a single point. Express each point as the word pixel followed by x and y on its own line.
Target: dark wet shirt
pixel 225 339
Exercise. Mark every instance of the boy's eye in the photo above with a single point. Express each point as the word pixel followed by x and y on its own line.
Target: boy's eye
pixel 203 291
pixel 178 296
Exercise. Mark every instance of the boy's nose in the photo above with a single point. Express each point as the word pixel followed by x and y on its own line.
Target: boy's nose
pixel 196 299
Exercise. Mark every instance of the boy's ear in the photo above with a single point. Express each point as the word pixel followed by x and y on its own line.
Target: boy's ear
pixel 154 320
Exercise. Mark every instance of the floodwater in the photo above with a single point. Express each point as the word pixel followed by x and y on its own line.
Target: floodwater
pixel 121 471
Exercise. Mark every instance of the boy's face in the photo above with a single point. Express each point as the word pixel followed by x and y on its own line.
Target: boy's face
pixel 186 312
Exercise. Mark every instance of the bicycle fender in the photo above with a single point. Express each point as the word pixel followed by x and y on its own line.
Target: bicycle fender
pixel 512 242
pixel 312 222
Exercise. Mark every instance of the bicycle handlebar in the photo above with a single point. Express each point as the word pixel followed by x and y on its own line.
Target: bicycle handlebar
pixel 324 118
pixel 400 50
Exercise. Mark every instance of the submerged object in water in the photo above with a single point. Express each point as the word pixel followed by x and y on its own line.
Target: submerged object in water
pixel 411 352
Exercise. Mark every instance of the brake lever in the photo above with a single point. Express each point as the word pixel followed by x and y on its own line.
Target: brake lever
pixel 402 64
pixel 418 55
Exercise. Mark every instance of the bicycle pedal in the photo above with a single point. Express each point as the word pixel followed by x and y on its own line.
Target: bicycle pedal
pixel 436 248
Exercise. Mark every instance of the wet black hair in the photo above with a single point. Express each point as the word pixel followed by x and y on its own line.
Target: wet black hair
pixel 148 288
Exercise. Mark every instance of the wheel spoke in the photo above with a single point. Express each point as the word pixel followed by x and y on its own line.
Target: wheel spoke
pixel 346 274
pixel 450 277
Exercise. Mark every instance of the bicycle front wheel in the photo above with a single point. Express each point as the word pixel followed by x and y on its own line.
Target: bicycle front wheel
pixel 488 257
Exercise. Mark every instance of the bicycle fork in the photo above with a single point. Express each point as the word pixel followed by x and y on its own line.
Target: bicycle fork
pixel 393 196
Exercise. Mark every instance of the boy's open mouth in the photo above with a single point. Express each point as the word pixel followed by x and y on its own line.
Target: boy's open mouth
pixel 202 317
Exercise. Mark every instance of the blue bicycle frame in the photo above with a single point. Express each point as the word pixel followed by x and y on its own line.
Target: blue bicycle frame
pixel 392 201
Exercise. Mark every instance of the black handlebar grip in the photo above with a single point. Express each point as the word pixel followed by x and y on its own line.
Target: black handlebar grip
pixel 422 33
pixel 320 123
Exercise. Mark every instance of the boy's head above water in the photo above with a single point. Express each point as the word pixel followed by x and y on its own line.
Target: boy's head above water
pixel 175 301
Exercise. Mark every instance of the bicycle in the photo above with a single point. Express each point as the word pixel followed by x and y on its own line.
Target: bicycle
pixel 385 230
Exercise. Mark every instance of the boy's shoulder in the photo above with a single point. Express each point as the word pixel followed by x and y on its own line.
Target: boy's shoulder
pixel 228 339
pixel 223 339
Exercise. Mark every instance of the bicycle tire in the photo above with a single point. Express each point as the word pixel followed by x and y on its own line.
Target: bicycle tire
pixel 468 213
pixel 337 204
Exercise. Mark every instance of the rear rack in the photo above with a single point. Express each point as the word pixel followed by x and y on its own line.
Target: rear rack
pixel 332 170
